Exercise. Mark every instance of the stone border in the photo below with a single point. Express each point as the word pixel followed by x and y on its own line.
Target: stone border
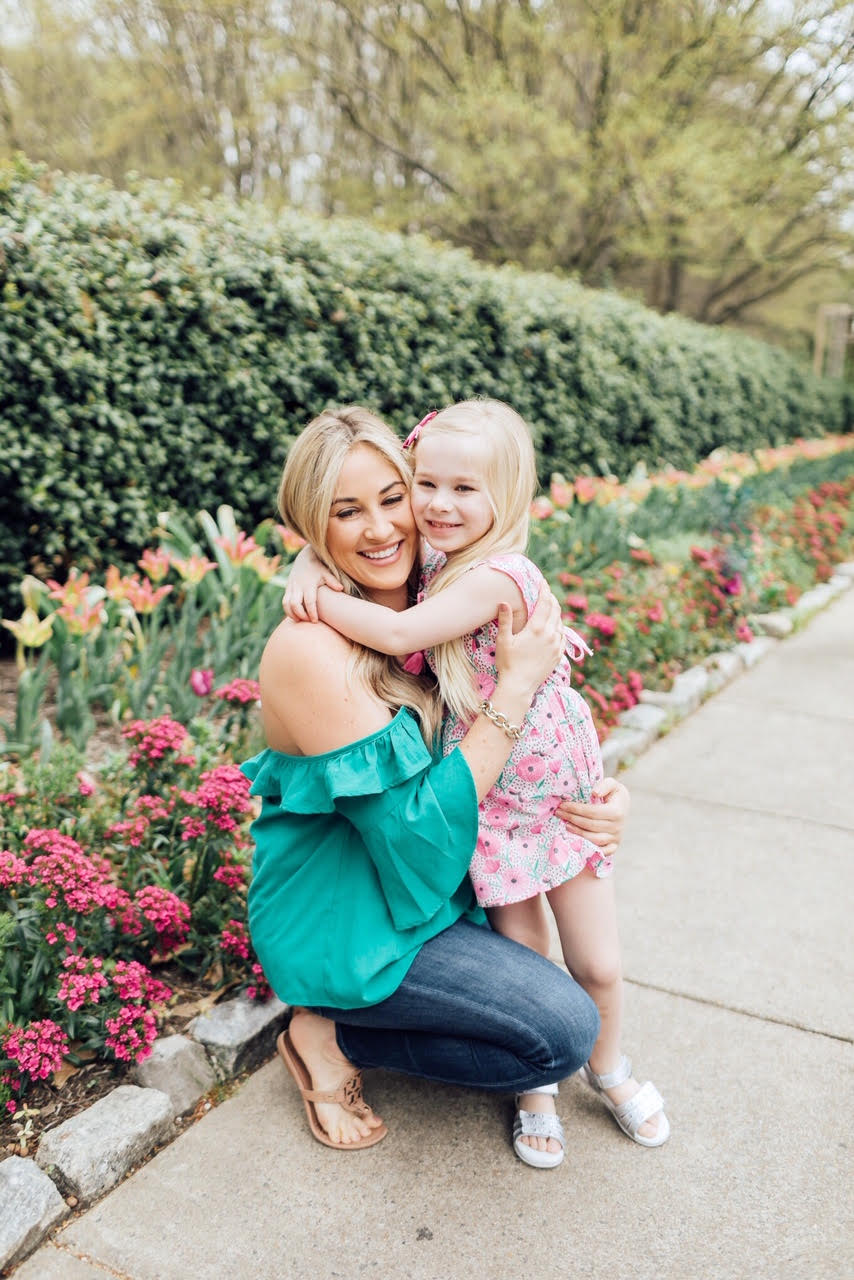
pixel 657 713
pixel 83 1158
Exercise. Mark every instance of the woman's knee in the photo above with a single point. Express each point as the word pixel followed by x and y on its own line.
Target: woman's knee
pixel 568 1024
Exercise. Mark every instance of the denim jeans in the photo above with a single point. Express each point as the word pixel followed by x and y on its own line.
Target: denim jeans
pixel 475 1009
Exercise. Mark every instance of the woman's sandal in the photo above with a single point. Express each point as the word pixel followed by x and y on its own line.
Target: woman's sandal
pixel 348 1096
pixel 537 1124
pixel 635 1111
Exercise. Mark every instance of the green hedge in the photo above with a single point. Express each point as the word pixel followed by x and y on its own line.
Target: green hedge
pixel 155 355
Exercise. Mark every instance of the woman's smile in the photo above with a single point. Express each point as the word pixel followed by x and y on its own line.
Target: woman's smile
pixel 371 534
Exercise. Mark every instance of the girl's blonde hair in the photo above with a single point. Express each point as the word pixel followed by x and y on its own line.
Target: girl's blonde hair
pixel 306 493
pixel 510 482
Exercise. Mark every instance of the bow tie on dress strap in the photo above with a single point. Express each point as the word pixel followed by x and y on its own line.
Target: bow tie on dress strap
pixel 414 663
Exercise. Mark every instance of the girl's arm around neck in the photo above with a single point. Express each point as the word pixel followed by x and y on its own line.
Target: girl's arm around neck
pixel 455 611
pixel 310 703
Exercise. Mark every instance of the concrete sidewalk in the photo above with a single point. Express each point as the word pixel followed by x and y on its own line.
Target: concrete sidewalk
pixel 735 889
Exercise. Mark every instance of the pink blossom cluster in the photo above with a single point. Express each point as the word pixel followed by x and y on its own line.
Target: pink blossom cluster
pixel 239 690
pixel 235 940
pixel 66 931
pixel 143 811
pixel 131 1033
pixel 82 982
pixel 231 873
pixel 260 989
pixel 80 881
pixel 13 870
pixel 38 1049
pixel 166 912
pixel 602 623
pixel 154 738
pixel 132 981
pixel 192 828
pixel 222 791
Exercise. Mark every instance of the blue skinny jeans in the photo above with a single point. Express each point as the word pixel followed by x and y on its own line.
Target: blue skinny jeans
pixel 475 1009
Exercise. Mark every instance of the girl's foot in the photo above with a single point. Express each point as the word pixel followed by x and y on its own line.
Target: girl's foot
pixel 638 1109
pixel 542 1104
pixel 313 1037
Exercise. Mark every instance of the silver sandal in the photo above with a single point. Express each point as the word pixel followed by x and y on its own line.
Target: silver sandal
pixel 536 1124
pixel 635 1111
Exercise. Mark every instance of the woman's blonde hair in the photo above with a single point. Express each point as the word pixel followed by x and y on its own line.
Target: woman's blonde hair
pixel 510 482
pixel 306 493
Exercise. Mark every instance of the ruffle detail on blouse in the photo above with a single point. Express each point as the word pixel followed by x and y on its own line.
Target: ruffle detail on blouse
pixel 370 766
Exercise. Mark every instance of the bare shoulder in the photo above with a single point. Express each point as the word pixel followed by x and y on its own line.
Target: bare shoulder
pixel 310 702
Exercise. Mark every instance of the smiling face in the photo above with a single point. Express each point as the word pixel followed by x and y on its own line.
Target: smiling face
pixel 450 500
pixel 371 534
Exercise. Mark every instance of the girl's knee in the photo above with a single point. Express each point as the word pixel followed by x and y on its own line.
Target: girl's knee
pixel 602 973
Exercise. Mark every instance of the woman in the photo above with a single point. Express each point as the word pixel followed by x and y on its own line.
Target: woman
pixel 360 908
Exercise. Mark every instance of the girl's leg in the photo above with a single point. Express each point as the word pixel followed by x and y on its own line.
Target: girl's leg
pixel 585 911
pixel 525 922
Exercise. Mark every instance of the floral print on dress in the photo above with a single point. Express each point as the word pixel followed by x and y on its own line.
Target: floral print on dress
pixel 522 848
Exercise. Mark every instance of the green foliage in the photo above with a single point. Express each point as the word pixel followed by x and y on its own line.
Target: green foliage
pixel 159 357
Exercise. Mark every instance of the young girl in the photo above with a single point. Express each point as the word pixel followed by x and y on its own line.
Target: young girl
pixel 474 480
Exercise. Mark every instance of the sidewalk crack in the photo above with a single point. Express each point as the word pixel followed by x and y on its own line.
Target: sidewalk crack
pixel 745 1013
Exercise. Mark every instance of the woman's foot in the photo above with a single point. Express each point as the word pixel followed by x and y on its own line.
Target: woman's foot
pixel 542 1104
pixel 313 1037
pixel 638 1109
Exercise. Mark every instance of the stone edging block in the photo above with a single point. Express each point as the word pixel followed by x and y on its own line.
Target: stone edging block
pixel 91 1152
pixel 238 1034
pixel 30 1207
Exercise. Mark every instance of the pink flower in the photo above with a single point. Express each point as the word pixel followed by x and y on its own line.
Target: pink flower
pixel 82 982
pixel 531 768
pixel 154 738
pixel 13 870
pixel 155 563
pixel 261 990
pixel 131 1033
pixel 743 633
pixel 85 784
pixel 239 690
pixel 38 1049
pixel 132 981
pixel 656 613
pixel 201 681
pixel 165 911
pixel 232 874
pixel 235 940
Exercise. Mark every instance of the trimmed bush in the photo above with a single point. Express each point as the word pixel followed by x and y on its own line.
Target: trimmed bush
pixel 157 356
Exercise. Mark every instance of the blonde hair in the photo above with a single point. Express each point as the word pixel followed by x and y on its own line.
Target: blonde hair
pixel 306 492
pixel 510 482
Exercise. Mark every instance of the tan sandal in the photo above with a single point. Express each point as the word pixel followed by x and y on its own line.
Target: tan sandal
pixel 348 1096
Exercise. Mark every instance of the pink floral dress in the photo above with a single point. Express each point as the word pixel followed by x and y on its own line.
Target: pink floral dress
pixel 522 848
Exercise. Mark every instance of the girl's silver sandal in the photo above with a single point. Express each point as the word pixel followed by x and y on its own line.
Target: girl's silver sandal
pixel 537 1124
pixel 635 1111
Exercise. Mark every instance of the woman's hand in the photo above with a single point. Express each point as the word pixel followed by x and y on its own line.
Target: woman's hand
pixel 526 659
pixel 603 821
pixel 308 573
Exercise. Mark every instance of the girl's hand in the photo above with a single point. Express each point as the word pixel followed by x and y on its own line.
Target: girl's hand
pixel 526 659
pixel 308 573
pixel 603 821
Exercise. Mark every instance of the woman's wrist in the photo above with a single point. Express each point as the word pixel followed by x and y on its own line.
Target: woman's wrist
pixel 511 703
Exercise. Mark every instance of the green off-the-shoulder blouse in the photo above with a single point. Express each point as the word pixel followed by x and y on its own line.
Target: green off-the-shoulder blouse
pixel 361 856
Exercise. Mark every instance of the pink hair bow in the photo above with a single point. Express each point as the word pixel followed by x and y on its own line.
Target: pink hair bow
pixel 416 431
